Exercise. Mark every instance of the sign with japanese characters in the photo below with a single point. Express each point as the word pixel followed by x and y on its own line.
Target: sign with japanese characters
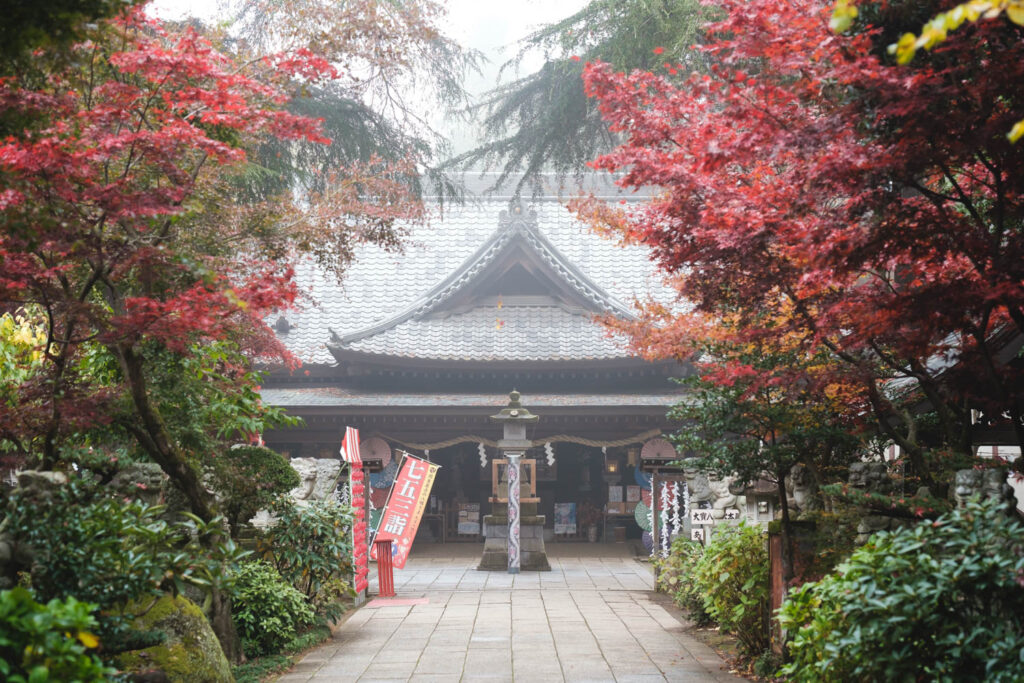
pixel 701 517
pixel 405 506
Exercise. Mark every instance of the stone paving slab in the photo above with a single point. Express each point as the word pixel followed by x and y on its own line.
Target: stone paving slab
pixel 592 618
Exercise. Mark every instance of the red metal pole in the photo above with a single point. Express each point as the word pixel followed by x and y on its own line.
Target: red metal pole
pixel 385 570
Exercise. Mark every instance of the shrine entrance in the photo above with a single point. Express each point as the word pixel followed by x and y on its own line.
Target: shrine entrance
pixel 588 497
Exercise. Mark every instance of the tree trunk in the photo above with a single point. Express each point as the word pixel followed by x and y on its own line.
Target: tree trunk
pixel 787 537
pixel 224 626
pixel 152 435
pixel 157 442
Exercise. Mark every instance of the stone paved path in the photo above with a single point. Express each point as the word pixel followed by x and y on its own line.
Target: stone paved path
pixel 592 618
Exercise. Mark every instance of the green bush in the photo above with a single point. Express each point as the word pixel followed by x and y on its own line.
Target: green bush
pixel 733 577
pixel 310 545
pixel 47 642
pixel 111 552
pixel 675 577
pixel 250 479
pixel 330 600
pixel 942 601
pixel 268 611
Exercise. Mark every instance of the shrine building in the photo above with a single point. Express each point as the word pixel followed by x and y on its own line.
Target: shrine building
pixel 418 349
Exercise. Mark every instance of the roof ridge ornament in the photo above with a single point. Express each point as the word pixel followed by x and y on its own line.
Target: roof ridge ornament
pixel 518 217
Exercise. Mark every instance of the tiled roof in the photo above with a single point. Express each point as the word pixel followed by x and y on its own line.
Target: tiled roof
pixel 538 333
pixel 329 397
pixel 379 286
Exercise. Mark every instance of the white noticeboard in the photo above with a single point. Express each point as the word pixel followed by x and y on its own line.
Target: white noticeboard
pixel 697 535
pixel 701 517
pixel 732 513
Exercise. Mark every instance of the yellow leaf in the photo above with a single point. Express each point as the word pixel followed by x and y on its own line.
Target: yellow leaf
pixel 843 15
pixel 88 639
pixel 1016 132
pixel 905 48
pixel 1015 11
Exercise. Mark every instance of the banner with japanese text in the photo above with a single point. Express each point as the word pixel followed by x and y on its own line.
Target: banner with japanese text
pixel 404 508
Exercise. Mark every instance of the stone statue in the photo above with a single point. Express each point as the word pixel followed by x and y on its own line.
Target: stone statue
pixel 878 480
pixel 698 485
pixel 995 485
pixel 319 478
pixel 38 483
pixel 869 524
pixel 872 477
pixel 306 467
pixel 721 496
pixel 319 481
pixel 988 483
pixel 966 483
pixel 717 492
pixel 143 481
pixel 800 492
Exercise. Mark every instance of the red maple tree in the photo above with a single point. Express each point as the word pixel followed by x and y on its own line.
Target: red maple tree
pixel 878 207
pixel 129 240
pixel 124 237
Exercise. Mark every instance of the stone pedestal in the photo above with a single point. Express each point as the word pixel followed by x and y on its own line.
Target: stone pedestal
pixel 533 556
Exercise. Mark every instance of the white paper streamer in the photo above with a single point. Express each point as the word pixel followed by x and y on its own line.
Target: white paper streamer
pixel 677 526
pixel 483 454
pixel 550 451
pixel 665 503
pixel 686 501
pixel 650 521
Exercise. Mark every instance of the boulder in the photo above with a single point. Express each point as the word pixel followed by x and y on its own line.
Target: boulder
pixel 190 653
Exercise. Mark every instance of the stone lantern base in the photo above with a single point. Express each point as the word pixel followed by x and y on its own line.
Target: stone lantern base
pixel 532 554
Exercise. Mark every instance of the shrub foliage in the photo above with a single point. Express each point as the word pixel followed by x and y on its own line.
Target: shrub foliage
pixel 733 576
pixel 47 642
pixel 268 611
pixel 942 601
pixel 111 552
pixel 311 547
pixel 675 577
pixel 250 478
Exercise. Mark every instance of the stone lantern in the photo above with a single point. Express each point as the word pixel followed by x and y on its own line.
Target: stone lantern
pixel 515 539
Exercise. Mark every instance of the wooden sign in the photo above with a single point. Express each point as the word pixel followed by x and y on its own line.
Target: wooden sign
pixel 701 517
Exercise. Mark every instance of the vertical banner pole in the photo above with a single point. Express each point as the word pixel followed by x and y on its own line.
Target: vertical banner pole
pixel 357 499
pixel 513 513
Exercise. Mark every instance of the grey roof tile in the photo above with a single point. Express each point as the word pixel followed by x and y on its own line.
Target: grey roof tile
pixel 380 285
pixel 538 333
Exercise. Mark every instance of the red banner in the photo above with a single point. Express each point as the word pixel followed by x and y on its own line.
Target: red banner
pixel 357 487
pixel 405 506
